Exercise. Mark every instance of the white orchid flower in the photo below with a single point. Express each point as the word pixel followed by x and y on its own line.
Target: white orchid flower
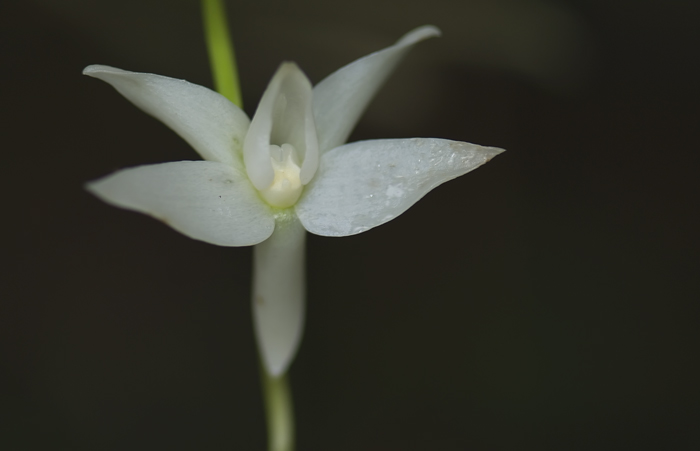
pixel 286 171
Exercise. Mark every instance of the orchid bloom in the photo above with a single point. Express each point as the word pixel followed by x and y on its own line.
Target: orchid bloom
pixel 285 171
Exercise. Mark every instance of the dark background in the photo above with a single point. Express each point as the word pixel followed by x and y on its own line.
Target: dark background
pixel 547 301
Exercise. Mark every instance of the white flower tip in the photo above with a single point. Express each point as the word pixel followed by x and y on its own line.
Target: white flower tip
pixel 419 34
pixel 91 188
pixel 288 67
pixel 491 152
pixel 91 69
pixel 103 189
pixel 289 70
pixel 276 368
pixel 95 69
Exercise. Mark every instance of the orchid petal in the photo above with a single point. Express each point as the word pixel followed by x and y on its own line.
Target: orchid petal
pixel 279 293
pixel 367 183
pixel 283 116
pixel 209 122
pixel 204 200
pixel 341 98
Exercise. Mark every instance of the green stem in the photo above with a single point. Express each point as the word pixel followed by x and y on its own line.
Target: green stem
pixel 220 47
pixel 279 412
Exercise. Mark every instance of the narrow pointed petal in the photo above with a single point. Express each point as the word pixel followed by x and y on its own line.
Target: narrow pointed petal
pixel 209 122
pixel 279 293
pixel 204 200
pixel 283 116
pixel 367 183
pixel 341 98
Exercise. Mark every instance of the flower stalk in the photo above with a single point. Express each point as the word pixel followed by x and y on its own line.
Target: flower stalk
pixel 221 55
pixel 279 412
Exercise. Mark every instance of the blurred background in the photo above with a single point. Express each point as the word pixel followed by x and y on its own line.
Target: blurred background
pixel 546 301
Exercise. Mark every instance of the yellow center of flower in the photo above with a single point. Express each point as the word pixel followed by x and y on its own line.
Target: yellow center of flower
pixel 286 186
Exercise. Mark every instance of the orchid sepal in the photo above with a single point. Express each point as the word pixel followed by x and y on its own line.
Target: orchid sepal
pixel 365 184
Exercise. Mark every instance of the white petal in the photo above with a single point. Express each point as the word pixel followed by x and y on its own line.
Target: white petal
pixel 341 98
pixel 279 293
pixel 365 184
pixel 204 200
pixel 283 117
pixel 209 122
